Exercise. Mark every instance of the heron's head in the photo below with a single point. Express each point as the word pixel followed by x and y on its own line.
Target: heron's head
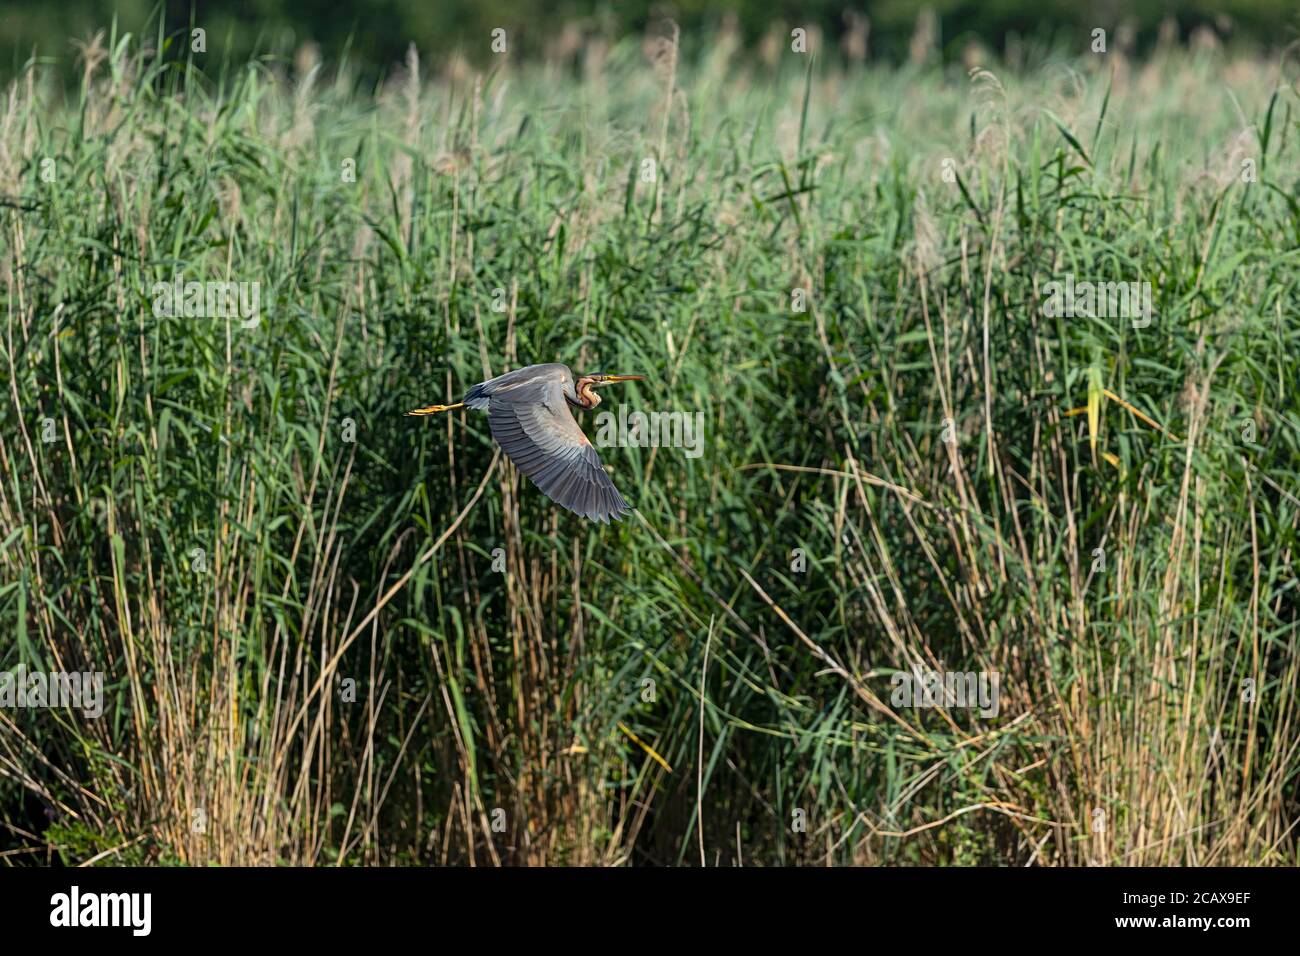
pixel 586 386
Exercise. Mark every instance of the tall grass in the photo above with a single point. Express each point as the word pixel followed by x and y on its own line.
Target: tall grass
pixel 234 523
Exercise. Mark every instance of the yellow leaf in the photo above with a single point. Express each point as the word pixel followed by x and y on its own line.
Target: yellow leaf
pixel 646 747
pixel 1094 406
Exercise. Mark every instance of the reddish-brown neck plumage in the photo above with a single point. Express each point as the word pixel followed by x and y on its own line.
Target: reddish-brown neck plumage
pixel 587 396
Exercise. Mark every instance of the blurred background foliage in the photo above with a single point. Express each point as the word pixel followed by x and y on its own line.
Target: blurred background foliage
pixel 375 34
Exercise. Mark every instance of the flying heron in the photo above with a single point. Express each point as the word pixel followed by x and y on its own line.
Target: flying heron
pixel 528 412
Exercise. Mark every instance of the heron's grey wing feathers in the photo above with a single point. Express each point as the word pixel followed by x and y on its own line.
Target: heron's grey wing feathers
pixel 534 427
pixel 521 384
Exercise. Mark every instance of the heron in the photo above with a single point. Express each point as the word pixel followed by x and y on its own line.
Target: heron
pixel 528 412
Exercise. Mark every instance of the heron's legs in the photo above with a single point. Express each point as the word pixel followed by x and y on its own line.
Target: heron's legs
pixel 434 409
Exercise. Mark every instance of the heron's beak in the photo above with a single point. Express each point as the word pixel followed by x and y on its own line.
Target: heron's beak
pixel 611 379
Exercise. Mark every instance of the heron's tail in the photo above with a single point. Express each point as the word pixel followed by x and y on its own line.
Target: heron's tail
pixel 434 409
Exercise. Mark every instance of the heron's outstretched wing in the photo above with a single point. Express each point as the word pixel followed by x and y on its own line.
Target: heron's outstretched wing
pixel 530 383
pixel 535 428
